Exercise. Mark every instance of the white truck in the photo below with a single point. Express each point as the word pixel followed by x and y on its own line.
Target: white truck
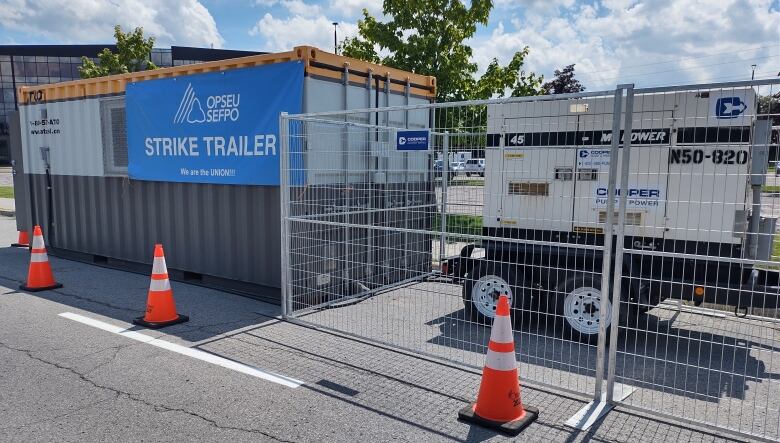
pixel 696 169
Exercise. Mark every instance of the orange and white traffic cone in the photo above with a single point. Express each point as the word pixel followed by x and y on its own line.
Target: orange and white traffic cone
pixel 39 276
pixel 24 240
pixel 160 305
pixel 499 405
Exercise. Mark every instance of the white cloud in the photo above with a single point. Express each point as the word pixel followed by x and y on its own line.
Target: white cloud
pixel 182 22
pixel 284 34
pixel 354 8
pixel 673 40
pixel 299 7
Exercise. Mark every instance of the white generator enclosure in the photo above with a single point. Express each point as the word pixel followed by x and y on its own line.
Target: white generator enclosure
pixel 692 226
pixel 548 162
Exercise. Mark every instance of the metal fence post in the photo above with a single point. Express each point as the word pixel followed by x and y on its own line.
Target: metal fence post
pixel 445 172
pixel 620 239
pixel 607 255
pixel 284 201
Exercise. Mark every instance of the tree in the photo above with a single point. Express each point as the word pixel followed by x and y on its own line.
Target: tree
pixel 133 54
pixel 563 83
pixel 427 37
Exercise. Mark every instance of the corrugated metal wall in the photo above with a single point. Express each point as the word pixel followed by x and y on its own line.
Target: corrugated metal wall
pixel 227 231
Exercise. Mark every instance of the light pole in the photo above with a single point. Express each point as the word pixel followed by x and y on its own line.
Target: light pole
pixel 335 40
pixel 753 74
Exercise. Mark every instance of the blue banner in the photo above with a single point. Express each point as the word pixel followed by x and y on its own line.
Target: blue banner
pixel 411 140
pixel 219 127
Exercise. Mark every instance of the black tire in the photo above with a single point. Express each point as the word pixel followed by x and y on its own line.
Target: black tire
pixel 468 174
pixel 512 275
pixel 640 299
pixel 564 324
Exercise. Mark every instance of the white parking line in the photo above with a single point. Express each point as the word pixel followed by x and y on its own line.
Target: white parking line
pixel 179 349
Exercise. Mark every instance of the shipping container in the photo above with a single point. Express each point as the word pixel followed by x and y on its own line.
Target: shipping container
pixel 108 171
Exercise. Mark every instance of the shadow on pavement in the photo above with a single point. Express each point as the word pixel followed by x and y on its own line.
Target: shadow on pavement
pixel 655 353
pixel 122 296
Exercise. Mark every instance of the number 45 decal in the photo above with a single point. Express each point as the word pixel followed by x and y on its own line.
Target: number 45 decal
pixel 516 139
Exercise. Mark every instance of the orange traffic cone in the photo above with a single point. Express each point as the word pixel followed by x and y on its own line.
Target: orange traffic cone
pixel 499 404
pixel 39 277
pixel 160 306
pixel 24 240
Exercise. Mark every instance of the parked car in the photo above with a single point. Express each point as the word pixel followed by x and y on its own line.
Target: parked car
pixel 438 166
pixel 457 167
pixel 475 166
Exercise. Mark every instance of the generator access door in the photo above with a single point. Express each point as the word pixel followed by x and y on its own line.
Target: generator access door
pixel 646 191
pixel 536 168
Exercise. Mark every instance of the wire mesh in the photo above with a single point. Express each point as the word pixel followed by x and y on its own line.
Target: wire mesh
pixel 695 267
pixel 517 196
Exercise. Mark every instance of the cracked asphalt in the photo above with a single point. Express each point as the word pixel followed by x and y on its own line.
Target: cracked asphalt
pixel 65 381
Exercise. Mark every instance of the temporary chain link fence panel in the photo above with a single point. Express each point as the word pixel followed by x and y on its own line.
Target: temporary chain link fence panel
pixel 609 223
pixel 697 282
pixel 412 248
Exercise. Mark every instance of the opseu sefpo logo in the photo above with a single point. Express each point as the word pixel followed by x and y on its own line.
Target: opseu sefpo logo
pixel 219 108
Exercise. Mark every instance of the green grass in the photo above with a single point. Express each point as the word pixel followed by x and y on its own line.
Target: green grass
pixel 6 192
pixel 459 224
pixel 467 182
pixel 771 189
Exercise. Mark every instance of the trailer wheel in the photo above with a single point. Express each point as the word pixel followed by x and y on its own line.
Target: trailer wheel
pixel 485 283
pixel 640 299
pixel 579 302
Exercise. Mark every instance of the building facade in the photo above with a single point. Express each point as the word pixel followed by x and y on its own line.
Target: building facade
pixel 24 65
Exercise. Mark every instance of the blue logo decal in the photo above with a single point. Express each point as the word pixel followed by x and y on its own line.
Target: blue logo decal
pixel 729 107
pixel 583 153
pixel 412 140
pixel 220 127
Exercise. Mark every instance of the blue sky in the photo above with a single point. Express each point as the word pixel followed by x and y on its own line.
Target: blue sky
pixel 646 42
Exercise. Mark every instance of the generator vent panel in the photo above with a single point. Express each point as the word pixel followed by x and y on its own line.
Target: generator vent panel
pixel 587 174
pixel 632 218
pixel 564 173
pixel 526 188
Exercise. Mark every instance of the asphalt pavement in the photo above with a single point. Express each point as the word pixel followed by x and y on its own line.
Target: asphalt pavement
pixel 102 379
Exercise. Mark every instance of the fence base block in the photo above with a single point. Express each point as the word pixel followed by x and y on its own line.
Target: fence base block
pixel 593 411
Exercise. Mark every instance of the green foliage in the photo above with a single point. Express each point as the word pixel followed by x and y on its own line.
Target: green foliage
pixel 133 54
pixel 563 83
pixel 497 79
pixel 427 37
pixel 459 224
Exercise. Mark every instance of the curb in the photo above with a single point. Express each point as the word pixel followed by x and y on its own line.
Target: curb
pixel 7 212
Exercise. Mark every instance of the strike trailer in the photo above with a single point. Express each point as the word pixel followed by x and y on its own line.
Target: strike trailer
pixel 693 228
pixel 189 156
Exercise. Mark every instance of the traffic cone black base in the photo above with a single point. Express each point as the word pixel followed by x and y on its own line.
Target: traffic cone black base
pixel 45 288
pixel 509 428
pixel 23 241
pixel 157 325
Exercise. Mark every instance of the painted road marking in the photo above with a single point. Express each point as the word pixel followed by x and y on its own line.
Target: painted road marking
pixel 179 349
